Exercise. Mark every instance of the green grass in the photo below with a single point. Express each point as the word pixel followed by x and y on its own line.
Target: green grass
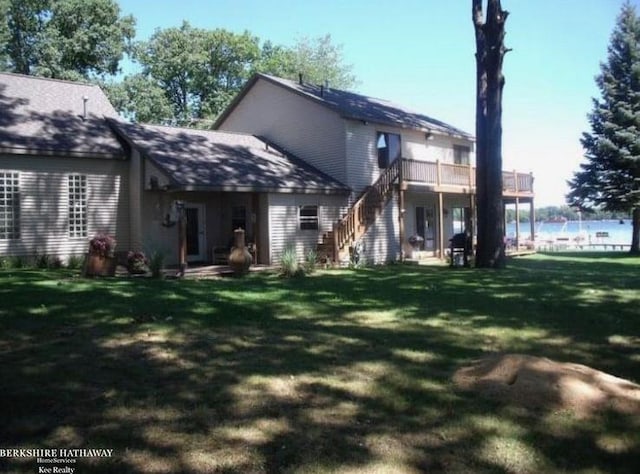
pixel 342 371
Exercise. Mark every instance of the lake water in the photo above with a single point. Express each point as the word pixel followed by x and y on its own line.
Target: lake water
pixel 595 232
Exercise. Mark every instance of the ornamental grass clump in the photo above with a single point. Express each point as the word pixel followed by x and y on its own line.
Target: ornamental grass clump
pixel 289 263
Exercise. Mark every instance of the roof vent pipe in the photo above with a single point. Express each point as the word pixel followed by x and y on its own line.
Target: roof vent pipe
pixel 300 78
pixel 321 90
pixel 85 99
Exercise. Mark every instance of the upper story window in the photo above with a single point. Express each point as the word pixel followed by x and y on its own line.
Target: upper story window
pixel 77 191
pixel 9 205
pixel 461 154
pixel 308 217
pixel 388 145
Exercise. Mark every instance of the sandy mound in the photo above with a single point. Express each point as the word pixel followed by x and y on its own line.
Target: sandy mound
pixel 539 383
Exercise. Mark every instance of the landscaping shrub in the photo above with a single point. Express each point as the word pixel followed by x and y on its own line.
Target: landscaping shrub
pixel 137 263
pixel 310 261
pixel 156 263
pixel 289 263
pixel 75 262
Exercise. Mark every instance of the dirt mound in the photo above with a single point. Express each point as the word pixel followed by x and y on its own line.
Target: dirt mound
pixel 539 383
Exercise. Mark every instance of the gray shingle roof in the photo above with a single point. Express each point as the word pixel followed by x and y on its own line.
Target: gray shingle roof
pixel 39 115
pixel 225 161
pixel 356 107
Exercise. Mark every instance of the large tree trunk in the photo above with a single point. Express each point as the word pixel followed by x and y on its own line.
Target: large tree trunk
pixel 490 52
pixel 635 232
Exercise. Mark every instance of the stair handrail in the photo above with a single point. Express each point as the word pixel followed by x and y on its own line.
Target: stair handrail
pixel 354 224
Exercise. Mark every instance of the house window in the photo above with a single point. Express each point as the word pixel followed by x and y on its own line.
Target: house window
pixel 77 205
pixel 461 154
pixel 388 145
pixel 9 205
pixel 308 217
pixel 238 217
pixel 461 219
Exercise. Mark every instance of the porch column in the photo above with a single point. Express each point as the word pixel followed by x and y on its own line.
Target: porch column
pixel 401 209
pixel 182 238
pixel 472 210
pixel 532 221
pixel 517 223
pixel 440 226
pixel 255 213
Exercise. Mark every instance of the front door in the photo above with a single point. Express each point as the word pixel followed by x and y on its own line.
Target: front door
pixel 195 232
pixel 426 226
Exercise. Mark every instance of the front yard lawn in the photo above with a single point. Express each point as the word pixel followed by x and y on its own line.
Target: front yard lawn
pixel 342 371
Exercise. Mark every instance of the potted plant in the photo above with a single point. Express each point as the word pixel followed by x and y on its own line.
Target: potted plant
pixel 100 260
pixel 137 263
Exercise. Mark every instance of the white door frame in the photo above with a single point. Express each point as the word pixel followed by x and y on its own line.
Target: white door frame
pixel 202 238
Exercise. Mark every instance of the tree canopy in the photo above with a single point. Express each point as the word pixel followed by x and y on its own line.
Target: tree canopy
pixel 200 71
pixel 187 75
pixel 610 176
pixel 66 39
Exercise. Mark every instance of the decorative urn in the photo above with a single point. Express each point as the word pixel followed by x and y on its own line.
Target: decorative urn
pixel 239 258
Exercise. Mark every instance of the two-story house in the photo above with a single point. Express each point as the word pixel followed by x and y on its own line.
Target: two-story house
pixel 293 164
pixel 408 174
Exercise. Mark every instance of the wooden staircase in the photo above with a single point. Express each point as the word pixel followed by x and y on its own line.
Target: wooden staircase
pixel 361 215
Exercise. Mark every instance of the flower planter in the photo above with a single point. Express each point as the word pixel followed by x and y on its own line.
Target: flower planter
pixel 97 265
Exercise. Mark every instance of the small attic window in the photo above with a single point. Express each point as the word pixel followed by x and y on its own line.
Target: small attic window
pixel 388 145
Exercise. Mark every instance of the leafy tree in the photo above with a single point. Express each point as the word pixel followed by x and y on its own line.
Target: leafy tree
pixel 67 39
pixel 276 60
pixel 319 61
pixel 610 177
pixel 199 70
pixel 140 99
pixel 4 35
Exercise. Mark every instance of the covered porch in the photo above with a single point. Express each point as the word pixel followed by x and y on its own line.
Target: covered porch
pixel 438 200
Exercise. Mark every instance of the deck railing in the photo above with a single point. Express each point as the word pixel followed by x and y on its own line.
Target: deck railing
pixel 363 212
pixel 445 174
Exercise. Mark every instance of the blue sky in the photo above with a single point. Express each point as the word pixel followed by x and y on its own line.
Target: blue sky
pixel 420 53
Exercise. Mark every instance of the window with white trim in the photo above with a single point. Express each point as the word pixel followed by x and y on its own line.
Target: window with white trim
pixel 461 154
pixel 77 205
pixel 9 205
pixel 308 217
pixel 389 148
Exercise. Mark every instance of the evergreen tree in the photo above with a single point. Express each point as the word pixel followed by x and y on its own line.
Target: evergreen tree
pixel 610 177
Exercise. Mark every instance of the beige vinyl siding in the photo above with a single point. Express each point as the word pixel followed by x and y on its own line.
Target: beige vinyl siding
pixel 44 201
pixel 151 172
pixel 362 156
pixel 381 244
pixel 362 152
pixel 284 228
pixel 308 130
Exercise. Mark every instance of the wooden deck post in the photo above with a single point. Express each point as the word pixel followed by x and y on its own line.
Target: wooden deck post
pixel 182 238
pixel 401 209
pixel 517 222
pixel 336 251
pixel 440 225
pixel 255 212
pixel 532 221
pixel 438 173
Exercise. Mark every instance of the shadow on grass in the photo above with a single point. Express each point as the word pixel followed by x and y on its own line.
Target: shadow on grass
pixel 341 370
